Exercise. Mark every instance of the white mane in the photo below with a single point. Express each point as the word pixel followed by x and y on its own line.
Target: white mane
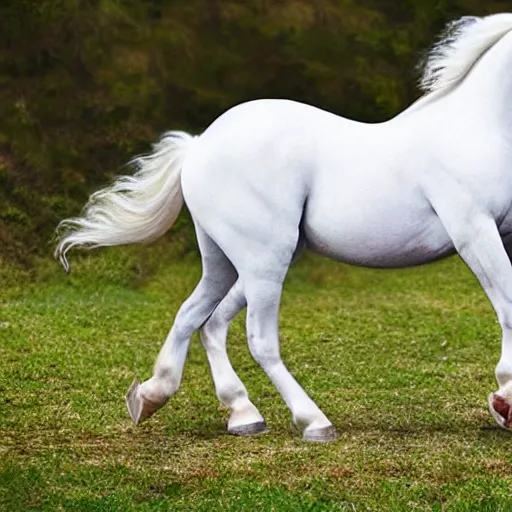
pixel 459 49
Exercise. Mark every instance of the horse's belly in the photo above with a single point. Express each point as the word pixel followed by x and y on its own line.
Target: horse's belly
pixel 381 240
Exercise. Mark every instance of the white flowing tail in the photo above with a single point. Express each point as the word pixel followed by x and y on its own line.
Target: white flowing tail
pixel 134 209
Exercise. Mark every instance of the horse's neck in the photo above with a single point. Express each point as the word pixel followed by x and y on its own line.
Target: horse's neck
pixel 487 88
pixel 489 85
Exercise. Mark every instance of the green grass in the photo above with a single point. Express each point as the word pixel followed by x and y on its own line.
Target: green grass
pixel 401 362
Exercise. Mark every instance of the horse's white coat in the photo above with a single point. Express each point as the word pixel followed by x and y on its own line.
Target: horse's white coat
pixel 271 175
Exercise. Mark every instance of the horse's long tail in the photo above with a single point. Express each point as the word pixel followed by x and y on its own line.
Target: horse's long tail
pixel 134 209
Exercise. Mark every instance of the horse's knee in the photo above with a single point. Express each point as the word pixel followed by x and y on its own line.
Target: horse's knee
pixel 214 332
pixel 183 327
pixel 215 329
pixel 265 354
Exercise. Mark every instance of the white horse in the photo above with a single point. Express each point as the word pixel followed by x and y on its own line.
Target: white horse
pixel 272 176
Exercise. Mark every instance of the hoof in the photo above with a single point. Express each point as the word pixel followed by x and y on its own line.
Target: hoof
pixel 320 435
pixel 139 408
pixel 501 410
pixel 248 430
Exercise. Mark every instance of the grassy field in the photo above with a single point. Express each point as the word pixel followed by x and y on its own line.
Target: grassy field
pixel 401 362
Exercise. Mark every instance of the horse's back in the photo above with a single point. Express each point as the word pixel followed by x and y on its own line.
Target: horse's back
pixel 264 143
pixel 356 189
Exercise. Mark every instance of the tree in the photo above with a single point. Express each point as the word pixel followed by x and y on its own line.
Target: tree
pixel 87 84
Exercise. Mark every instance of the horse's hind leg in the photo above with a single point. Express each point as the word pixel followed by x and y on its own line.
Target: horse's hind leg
pixel 245 418
pixel 262 265
pixel 218 277
pixel 263 294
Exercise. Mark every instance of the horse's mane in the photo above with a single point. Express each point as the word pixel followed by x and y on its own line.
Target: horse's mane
pixel 459 48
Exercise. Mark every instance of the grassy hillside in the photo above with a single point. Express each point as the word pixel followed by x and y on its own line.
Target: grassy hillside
pixel 401 361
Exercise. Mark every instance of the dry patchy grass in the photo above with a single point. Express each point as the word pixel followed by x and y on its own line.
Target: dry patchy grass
pixel 400 361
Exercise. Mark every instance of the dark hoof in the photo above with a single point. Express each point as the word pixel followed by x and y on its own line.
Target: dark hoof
pixel 248 430
pixel 320 435
pixel 501 410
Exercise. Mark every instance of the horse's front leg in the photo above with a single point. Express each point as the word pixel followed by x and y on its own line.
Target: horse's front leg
pixel 485 255
pixel 477 240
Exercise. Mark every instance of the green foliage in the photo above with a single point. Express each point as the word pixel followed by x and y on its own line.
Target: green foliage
pixel 85 85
